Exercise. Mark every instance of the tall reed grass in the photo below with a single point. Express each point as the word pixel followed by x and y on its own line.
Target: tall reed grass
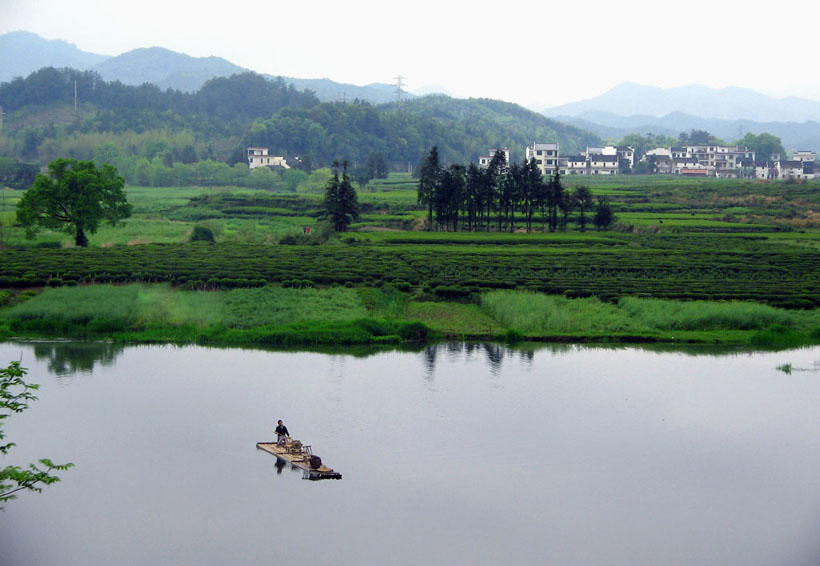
pixel 109 308
pixel 707 315
pixel 536 313
pixel 160 313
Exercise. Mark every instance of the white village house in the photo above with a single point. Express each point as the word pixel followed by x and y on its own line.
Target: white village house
pixel 545 155
pixel 258 157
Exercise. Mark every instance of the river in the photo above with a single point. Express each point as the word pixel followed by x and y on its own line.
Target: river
pixel 453 454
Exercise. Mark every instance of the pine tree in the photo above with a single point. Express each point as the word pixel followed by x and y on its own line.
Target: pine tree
pixel 429 183
pixel 341 203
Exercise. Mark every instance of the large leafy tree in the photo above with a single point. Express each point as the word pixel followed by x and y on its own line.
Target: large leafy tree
pixel 764 145
pixel 15 395
pixel 75 197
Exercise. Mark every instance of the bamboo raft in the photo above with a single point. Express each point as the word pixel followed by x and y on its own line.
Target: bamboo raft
pixel 299 456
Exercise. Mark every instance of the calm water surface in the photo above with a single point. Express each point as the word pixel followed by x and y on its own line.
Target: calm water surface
pixel 459 454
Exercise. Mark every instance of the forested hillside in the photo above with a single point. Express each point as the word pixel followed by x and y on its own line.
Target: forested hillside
pixel 462 129
pixel 143 129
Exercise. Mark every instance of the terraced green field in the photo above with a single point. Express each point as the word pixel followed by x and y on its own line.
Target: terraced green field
pixel 674 239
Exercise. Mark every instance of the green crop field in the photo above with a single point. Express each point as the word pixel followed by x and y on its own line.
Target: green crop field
pixel 674 239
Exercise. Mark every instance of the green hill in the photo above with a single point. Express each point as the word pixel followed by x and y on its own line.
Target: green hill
pixel 133 123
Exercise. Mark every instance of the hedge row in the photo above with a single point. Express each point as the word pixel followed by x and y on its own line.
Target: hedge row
pixel 728 268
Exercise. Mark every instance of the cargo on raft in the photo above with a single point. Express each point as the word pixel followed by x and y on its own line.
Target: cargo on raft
pixel 300 456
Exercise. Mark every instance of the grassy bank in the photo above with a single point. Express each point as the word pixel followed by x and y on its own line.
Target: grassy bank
pixel 159 313
pixel 273 315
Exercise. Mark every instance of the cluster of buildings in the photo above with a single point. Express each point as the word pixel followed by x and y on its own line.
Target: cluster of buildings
pixel 722 161
pixel 701 161
pixel 609 160
pixel 801 166
pixel 730 162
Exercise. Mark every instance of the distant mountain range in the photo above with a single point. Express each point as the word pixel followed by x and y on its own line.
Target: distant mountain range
pixel 330 91
pixel 795 135
pixel 22 53
pixel 164 68
pixel 730 103
pixel 728 113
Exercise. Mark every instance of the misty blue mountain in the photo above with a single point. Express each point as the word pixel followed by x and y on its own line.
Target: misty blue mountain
pixel 730 103
pixel 22 53
pixel 728 113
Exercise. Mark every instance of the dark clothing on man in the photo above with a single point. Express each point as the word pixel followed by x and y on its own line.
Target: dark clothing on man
pixel 282 430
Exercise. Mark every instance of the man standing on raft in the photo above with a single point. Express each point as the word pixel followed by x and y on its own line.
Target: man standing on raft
pixel 281 433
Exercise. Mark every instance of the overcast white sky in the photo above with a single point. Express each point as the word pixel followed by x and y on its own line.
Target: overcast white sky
pixel 539 54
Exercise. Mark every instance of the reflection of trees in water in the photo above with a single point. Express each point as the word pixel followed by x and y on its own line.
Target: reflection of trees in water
pixel 65 358
pixel 493 353
pixel 430 354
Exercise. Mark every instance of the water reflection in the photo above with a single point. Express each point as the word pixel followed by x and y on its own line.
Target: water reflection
pixel 66 358
pixel 494 353
pixel 655 454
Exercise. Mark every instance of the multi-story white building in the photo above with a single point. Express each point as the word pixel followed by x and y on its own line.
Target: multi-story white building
pixel 573 165
pixel 681 163
pixel 258 157
pixel 626 154
pixel 600 164
pixel 592 164
pixel 661 151
pixel 623 154
pixel 546 156
pixel 804 156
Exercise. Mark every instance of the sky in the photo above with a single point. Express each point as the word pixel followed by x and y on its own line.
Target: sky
pixel 538 54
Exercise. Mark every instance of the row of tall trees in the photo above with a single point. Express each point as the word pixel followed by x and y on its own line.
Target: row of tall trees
pixel 502 196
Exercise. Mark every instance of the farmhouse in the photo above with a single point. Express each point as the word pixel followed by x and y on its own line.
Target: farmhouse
pixel 258 157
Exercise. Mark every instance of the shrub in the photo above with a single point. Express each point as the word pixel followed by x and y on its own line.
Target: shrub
pixel 202 234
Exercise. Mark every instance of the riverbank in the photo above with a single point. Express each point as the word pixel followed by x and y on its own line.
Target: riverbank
pixel 278 316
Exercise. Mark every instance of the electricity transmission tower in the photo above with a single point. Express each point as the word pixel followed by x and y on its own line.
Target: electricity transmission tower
pixel 399 92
